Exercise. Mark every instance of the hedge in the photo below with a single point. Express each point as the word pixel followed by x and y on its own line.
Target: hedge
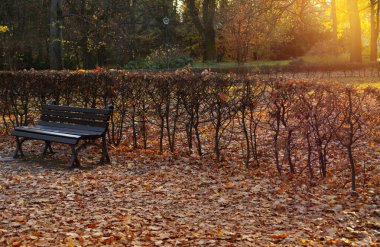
pixel 240 115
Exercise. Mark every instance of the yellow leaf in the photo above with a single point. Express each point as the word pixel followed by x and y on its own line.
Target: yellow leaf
pixel 4 29
pixel 70 242
pixel 220 233
pixel 345 240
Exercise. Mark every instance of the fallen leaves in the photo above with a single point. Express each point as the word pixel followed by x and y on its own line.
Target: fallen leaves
pixel 176 201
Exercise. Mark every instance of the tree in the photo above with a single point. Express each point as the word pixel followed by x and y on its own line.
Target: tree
pixel 205 26
pixel 56 23
pixel 356 124
pixel 374 19
pixel 245 27
pixel 355 31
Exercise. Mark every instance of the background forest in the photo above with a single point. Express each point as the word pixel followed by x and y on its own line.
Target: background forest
pixel 83 34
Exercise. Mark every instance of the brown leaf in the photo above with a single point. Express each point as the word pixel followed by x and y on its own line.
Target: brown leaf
pixel 280 236
pixel 92 225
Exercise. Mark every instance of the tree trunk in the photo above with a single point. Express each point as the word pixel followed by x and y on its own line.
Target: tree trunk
pixel 352 166
pixel 205 26
pixel 209 8
pixel 374 19
pixel 248 144
pixel 334 26
pixel 309 153
pixel 218 126
pixel 209 45
pixel 289 151
pixel 356 40
pixel 275 143
pixel 56 22
pixel 131 46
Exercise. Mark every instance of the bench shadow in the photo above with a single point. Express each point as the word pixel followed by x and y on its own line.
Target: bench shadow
pixel 35 164
pixel 38 162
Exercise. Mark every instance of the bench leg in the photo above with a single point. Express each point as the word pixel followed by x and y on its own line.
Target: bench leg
pixel 105 157
pixel 48 147
pixel 74 161
pixel 19 152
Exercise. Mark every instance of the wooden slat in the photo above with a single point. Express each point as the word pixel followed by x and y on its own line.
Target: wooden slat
pixel 73 126
pixel 78 115
pixel 46 132
pixel 76 109
pixel 44 137
pixel 68 131
pixel 73 121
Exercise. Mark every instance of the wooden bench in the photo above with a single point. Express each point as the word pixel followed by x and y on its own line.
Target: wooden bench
pixel 68 125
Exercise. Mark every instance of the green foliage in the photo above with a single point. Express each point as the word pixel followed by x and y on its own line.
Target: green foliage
pixel 167 59
pixel 131 65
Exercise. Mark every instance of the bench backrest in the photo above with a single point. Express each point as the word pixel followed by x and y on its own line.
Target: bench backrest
pixel 76 117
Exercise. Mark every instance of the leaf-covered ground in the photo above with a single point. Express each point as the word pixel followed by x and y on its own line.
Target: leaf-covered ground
pixel 147 199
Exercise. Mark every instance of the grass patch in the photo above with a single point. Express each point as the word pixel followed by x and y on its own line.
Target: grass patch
pixel 327 59
pixel 199 64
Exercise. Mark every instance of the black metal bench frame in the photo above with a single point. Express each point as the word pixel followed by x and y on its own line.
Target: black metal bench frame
pixel 68 125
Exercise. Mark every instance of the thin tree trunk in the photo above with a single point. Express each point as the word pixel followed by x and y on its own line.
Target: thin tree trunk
pixel 352 164
pixel 289 151
pixel 216 138
pixel 277 160
pixel 189 131
pixel 162 126
pixel 56 23
pixel 246 138
pixel 134 127
pixel 174 131
pixel 275 143
pixel 309 150
pixel 198 134
pixel 254 142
